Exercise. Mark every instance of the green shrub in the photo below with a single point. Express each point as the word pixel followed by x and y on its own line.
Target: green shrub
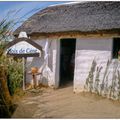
pixel 15 75
pixel 14 69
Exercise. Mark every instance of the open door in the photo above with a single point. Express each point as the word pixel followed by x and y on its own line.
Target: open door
pixel 67 61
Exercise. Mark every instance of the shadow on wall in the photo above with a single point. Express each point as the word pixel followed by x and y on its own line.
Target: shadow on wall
pixel 108 86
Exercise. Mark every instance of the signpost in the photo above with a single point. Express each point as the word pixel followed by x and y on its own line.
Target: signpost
pixel 24 72
pixel 24 47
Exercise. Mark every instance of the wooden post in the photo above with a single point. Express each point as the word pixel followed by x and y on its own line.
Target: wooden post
pixel 34 80
pixel 24 72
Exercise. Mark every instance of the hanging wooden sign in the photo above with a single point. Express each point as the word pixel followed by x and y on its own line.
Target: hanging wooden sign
pixel 24 47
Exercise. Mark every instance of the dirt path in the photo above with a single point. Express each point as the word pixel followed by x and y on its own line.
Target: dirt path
pixel 63 103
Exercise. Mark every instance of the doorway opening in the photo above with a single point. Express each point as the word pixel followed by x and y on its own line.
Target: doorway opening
pixel 116 47
pixel 67 61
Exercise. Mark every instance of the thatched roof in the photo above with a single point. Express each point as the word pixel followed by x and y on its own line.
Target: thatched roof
pixel 80 17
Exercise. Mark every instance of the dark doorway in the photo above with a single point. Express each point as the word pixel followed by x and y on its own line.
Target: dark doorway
pixel 67 61
pixel 116 47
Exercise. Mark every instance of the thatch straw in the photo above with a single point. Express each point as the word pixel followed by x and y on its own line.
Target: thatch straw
pixel 81 17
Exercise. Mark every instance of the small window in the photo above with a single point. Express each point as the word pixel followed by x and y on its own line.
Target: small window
pixel 116 47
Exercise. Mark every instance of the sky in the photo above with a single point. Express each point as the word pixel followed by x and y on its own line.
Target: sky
pixel 26 9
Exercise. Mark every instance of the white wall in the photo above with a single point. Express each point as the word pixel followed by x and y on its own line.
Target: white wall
pixel 86 51
pixel 49 72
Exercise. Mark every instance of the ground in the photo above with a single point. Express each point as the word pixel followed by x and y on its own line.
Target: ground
pixel 63 103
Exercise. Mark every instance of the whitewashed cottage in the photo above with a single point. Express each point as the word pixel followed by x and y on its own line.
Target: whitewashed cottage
pixel 82 41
